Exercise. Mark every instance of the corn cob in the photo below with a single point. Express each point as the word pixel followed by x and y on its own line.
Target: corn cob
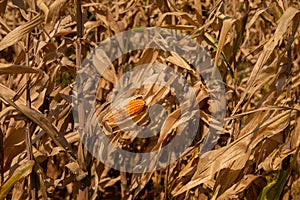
pixel 133 107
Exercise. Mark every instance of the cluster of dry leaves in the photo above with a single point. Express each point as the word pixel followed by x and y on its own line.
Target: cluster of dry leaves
pixel 255 46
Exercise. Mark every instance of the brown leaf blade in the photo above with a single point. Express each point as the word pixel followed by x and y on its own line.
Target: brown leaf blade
pixel 19 32
pixel 21 172
pixel 16 69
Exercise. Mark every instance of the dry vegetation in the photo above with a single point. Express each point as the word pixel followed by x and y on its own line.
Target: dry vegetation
pixel 255 45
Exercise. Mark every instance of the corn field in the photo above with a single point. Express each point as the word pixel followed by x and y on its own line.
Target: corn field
pixel 255 47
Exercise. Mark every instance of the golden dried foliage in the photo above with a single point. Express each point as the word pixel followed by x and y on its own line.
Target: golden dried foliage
pixel 255 45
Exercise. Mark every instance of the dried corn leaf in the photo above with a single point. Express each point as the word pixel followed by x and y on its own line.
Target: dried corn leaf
pixel 7 95
pixel 19 32
pixel 20 173
pixel 281 29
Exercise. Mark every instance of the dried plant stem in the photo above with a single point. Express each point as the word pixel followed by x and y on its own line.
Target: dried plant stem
pixel 32 183
pixel 1 156
pixel 167 177
pixel 83 184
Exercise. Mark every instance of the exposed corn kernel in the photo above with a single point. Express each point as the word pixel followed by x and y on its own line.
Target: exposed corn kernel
pixel 133 107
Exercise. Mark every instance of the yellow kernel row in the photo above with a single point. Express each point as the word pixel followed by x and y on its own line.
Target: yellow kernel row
pixel 133 107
